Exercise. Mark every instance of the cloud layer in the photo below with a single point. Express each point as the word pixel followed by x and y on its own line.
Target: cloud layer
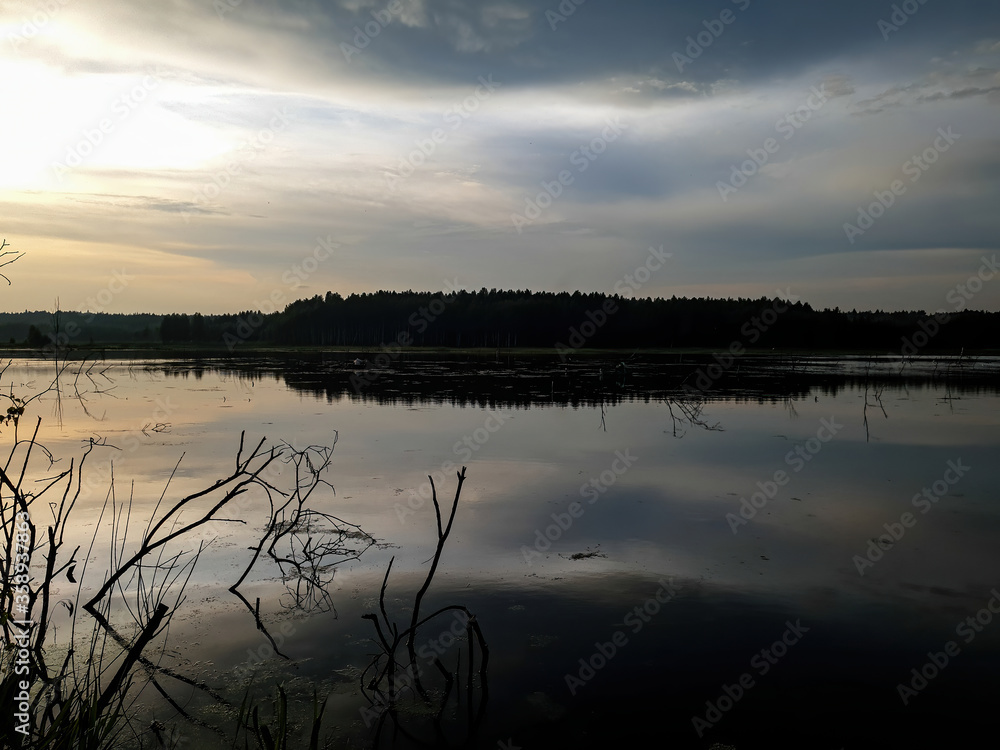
pixel 207 146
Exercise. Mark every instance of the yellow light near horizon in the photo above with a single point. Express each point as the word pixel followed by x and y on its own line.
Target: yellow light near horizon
pixel 88 275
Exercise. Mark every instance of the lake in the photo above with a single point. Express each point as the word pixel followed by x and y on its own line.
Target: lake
pixel 773 552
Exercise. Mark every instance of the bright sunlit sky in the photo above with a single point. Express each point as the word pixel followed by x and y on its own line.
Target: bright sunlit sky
pixel 200 150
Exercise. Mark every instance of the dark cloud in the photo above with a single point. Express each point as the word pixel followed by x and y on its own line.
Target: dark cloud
pixel 959 94
pixel 369 81
pixel 527 43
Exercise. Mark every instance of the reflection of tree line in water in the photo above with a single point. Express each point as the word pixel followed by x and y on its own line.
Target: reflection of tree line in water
pixel 592 381
pixel 83 698
pixel 86 700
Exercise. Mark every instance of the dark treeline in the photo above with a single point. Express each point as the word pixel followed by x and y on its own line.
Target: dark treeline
pixel 38 328
pixel 493 318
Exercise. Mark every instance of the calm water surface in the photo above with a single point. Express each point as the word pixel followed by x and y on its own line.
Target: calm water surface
pixel 588 494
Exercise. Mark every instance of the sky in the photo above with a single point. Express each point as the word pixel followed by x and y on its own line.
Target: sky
pixel 218 156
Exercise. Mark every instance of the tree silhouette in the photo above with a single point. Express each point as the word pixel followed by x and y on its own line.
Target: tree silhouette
pixel 6 260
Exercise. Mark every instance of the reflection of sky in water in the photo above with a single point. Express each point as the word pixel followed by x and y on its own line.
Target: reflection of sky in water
pixel 665 515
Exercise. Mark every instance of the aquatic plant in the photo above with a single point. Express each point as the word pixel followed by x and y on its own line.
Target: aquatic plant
pixel 393 676
pixel 86 699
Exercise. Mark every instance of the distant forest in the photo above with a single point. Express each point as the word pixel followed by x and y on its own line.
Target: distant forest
pixel 492 318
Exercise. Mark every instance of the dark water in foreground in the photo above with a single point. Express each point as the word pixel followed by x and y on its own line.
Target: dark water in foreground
pixel 759 567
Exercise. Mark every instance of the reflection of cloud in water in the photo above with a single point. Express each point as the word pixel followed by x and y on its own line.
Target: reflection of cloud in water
pixel 665 516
